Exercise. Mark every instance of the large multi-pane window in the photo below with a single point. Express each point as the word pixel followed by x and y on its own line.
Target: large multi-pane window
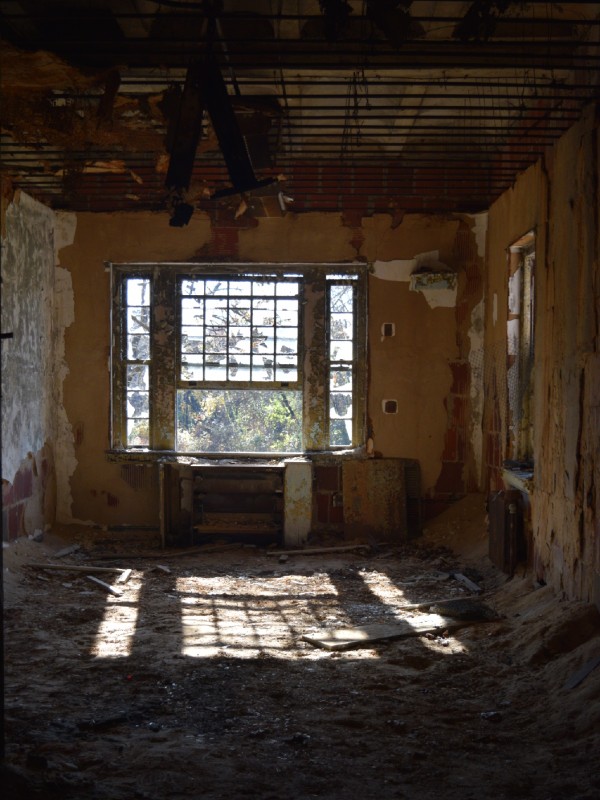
pixel 234 360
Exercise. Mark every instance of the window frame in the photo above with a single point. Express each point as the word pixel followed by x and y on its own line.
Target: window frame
pixel 165 376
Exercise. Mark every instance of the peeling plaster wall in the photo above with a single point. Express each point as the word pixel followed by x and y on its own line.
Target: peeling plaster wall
pixel 102 492
pixel 418 366
pixel 559 199
pixel 28 376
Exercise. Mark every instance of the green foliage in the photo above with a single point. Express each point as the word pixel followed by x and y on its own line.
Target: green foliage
pixel 219 420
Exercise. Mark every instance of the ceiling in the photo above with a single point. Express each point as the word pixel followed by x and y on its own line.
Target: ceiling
pixel 310 105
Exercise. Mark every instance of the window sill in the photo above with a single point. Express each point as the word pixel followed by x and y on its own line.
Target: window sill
pixel 171 456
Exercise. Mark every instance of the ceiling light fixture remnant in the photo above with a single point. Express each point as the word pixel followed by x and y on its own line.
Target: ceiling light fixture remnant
pixel 335 14
pixel 185 137
pixel 393 19
pixel 479 23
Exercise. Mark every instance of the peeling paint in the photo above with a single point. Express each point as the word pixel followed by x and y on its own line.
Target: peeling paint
pixel 480 231
pixel 27 363
pixel 438 288
pixel 402 269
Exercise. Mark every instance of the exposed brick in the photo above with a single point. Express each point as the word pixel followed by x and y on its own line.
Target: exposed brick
pixel 8 494
pixel 327 478
pixel 23 484
pixel 460 377
pixel 450 449
pixel 461 445
pixel 15 515
pixel 459 407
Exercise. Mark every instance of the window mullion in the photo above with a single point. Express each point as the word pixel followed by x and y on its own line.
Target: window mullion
pixel 315 418
pixel 164 360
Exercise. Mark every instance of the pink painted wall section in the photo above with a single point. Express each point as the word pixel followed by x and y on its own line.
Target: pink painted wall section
pixel 558 198
pixel 29 501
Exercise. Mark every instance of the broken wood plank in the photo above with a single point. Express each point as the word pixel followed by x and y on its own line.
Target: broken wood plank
pixel 76 568
pixel 162 568
pixel 164 554
pixel 98 582
pixel 317 550
pixel 349 638
pixel 474 587
pixel 124 576
pixel 581 674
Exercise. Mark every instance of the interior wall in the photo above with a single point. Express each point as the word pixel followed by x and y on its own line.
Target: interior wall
pixel 28 367
pixel 558 198
pixel 424 367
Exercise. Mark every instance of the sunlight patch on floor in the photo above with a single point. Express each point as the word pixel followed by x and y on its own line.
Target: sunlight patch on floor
pixel 247 625
pixel 116 632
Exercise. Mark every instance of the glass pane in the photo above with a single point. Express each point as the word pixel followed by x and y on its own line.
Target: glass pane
pixel 340 379
pixel 286 371
pixel 192 343
pixel 239 420
pixel 138 347
pixel 218 287
pixel 138 291
pixel 192 287
pixel 138 319
pixel 262 369
pixel 240 288
pixel 342 298
pixel 138 404
pixel 216 342
pixel 340 351
pixel 138 376
pixel 263 312
pixel 192 311
pixel 138 433
pixel 216 312
pixel 239 368
pixel 287 289
pixel 239 313
pixel 342 326
pixel 215 373
pixel 340 432
pixel 263 340
pixel 340 404
pixel 263 289
pixel 287 313
pixel 192 369
pixel 239 340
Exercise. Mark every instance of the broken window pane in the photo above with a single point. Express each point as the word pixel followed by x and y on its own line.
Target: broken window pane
pixel 138 347
pixel 341 351
pixel 138 376
pixel 137 291
pixel 138 319
pixel 138 433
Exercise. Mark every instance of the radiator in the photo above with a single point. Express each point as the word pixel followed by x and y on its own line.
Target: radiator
pixel 505 527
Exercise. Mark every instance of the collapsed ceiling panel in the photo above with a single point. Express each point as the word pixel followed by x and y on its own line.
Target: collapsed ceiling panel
pixel 350 106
